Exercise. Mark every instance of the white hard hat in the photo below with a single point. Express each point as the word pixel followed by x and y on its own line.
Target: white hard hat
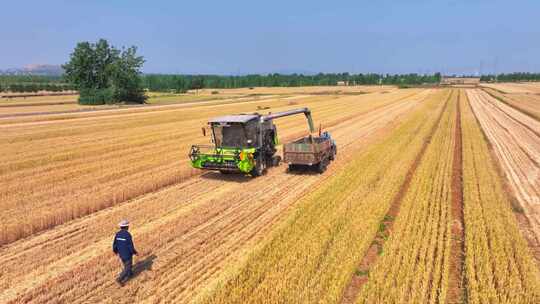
pixel 123 223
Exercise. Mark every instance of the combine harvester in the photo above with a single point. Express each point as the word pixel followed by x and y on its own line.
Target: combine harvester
pixel 246 143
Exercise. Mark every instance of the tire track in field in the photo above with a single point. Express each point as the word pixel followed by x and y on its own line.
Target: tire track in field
pixel 456 288
pixel 58 278
pixel 352 290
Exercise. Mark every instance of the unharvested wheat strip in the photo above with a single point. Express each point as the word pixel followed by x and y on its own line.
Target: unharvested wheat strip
pixel 162 219
pixel 499 267
pixel 385 227
pixel 414 264
pixel 312 255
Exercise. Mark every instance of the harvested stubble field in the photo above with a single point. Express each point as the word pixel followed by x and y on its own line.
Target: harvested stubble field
pixel 515 138
pixel 102 160
pixel 315 90
pixel 526 103
pixel 515 88
pixel 39 106
pixel 413 196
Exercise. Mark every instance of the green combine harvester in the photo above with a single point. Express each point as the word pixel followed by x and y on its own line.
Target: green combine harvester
pixel 244 143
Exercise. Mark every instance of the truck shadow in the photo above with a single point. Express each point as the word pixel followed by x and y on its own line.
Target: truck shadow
pixel 302 170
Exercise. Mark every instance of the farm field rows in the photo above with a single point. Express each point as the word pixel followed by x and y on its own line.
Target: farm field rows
pixel 303 90
pixel 499 267
pixel 515 138
pixel 186 235
pixel 443 245
pixel 313 255
pixel 526 103
pixel 415 208
pixel 51 105
pixel 38 100
pixel 515 88
pixel 133 153
pixel 415 263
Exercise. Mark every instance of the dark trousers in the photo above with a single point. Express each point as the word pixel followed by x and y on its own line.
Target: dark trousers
pixel 126 272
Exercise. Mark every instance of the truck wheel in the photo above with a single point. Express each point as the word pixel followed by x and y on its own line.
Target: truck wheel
pixel 321 167
pixel 333 153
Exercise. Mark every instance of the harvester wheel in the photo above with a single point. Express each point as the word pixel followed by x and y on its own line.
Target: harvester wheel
pixel 259 169
pixel 276 160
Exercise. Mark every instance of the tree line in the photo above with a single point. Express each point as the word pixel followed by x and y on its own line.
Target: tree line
pixel 182 83
pixel 32 83
pixel 511 77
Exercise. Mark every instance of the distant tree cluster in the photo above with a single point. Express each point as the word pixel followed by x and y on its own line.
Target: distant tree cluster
pixel 35 87
pixel 511 77
pixel 104 74
pixel 31 83
pixel 182 83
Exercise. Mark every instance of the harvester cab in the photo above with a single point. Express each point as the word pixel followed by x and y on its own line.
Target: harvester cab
pixel 242 143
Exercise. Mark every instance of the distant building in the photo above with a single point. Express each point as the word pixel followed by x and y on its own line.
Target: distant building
pixel 342 83
pixel 445 80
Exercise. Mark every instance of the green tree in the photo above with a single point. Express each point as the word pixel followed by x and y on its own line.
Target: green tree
pixel 124 74
pixel 104 74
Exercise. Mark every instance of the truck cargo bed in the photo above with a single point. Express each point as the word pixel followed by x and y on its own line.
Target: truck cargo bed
pixel 308 150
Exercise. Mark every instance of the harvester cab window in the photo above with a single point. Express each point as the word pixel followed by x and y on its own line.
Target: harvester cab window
pixel 251 134
pixel 230 135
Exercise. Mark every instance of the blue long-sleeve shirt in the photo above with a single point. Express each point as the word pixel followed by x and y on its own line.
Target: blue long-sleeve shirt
pixel 123 245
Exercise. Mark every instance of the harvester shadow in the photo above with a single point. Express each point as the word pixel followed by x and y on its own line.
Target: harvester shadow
pixel 143 265
pixel 232 177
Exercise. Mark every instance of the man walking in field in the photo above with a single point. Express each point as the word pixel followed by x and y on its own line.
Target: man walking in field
pixel 123 247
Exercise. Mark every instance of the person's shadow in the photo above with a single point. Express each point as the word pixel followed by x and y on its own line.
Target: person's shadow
pixel 143 265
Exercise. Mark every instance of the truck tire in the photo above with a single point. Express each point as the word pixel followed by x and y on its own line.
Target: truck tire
pixel 321 167
pixel 333 153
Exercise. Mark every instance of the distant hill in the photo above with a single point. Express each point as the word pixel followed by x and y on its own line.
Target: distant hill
pixel 35 69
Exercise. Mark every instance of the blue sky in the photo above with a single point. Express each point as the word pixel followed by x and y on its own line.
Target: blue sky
pixel 238 37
